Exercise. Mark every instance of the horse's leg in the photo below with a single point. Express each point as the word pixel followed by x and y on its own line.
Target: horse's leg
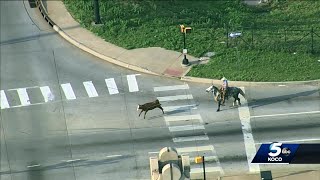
pixel 140 112
pixel 145 114
pixel 161 109
pixel 239 102
pixel 219 103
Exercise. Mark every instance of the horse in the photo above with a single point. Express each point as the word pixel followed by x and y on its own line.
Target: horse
pixel 231 91
pixel 149 106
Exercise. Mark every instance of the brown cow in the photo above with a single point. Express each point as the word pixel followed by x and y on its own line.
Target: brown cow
pixel 149 106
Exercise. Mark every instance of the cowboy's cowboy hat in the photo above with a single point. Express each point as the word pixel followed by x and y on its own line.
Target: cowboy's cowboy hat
pixel 223 79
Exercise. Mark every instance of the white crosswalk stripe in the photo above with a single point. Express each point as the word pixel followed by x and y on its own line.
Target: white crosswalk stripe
pixel 186 128
pixel 179 108
pixel 132 83
pixel 112 86
pixel 68 91
pixel 186 150
pixel 191 138
pixel 24 97
pixel 91 90
pixel 4 100
pixel 175 98
pixel 171 88
pixel 183 118
pixel 46 93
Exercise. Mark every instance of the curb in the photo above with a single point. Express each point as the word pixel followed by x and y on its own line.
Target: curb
pixel 85 48
pixel 56 28
pixel 247 83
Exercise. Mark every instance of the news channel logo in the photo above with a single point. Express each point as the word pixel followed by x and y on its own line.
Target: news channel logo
pixel 276 151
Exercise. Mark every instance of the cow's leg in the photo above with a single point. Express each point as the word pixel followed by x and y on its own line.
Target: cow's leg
pixel 145 114
pixel 140 112
pixel 161 109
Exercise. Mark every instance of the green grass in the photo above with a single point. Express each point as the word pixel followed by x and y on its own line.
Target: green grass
pixel 265 52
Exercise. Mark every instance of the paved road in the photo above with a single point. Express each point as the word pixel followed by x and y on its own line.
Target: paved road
pixel 68 115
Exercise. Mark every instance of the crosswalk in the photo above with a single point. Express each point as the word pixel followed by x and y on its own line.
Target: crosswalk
pixel 182 118
pixel 67 92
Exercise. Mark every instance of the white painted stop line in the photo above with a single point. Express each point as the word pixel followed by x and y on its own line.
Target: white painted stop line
pixel 132 83
pixel 112 86
pixel 4 100
pixel 23 95
pixel 68 91
pixel 91 90
pixel 249 144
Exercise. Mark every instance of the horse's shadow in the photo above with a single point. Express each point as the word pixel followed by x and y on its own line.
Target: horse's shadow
pixel 271 100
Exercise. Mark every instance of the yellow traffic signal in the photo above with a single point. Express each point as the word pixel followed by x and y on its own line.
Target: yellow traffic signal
pixel 198 159
pixel 184 29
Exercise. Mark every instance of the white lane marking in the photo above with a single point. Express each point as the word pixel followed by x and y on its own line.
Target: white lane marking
pixel 112 86
pixel 132 83
pixel 195 149
pixel 68 91
pixel 290 141
pixel 181 108
pixel 191 138
pixel 250 147
pixel 113 156
pixel 183 118
pixel 206 158
pixel 171 88
pixel 72 160
pixel 91 90
pixel 286 114
pixel 4 100
pixel 46 93
pixel 174 98
pixel 281 85
pixel 185 128
pixel 23 95
pixel 35 165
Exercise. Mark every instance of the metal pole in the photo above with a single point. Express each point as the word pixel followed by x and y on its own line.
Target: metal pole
pixel 185 61
pixel 204 168
pixel 96 12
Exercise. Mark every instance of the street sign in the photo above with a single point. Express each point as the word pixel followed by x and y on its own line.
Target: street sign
pixel 184 51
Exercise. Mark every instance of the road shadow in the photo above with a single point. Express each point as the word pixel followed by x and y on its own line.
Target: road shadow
pixel 276 99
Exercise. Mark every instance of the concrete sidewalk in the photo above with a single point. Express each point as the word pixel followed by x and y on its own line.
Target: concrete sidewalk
pixel 154 60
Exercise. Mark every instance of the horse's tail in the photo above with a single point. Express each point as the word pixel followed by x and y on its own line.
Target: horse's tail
pixel 242 93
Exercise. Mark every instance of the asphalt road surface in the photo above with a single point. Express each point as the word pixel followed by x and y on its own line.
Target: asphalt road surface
pixel 68 115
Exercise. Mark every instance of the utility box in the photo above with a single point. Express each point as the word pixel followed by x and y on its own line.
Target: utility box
pixel 168 165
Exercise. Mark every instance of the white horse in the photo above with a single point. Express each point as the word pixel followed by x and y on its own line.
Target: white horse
pixel 232 91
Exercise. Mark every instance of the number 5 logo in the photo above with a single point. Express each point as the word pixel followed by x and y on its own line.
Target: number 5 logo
pixel 275 149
